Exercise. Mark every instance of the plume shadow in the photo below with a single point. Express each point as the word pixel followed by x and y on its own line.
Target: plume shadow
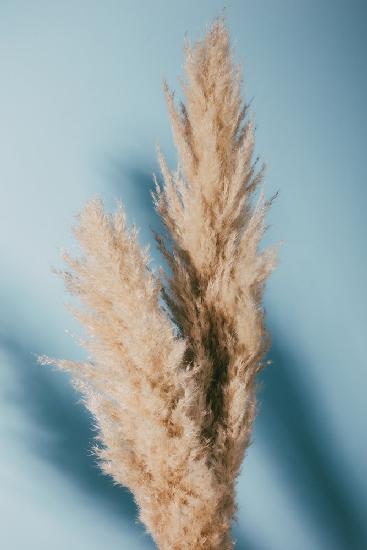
pixel 291 426
pixel 242 541
pixel 134 186
pixel 289 421
pixel 65 431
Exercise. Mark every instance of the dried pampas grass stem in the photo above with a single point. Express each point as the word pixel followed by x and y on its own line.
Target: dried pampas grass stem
pixel 173 359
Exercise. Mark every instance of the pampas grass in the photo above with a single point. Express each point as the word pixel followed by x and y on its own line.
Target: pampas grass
pixel 170 378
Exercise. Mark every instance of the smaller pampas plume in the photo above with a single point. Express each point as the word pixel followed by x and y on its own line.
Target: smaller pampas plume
pixel 173 359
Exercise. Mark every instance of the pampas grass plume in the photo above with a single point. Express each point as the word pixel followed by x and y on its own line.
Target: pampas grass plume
pixel 173 358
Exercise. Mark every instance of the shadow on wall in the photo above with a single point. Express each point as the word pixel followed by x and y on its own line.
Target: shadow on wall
pixel 38 393
pixel 134 186
pixel 291 425
pixel 288 421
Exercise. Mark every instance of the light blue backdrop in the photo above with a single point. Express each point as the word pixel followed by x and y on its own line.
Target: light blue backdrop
pixel 81 109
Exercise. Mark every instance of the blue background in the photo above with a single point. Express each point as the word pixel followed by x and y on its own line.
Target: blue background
pixel 81 110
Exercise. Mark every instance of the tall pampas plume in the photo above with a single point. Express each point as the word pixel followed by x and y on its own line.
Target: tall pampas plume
pixel 173 358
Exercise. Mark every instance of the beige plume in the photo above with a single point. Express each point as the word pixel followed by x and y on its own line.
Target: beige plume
pixel 171 379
